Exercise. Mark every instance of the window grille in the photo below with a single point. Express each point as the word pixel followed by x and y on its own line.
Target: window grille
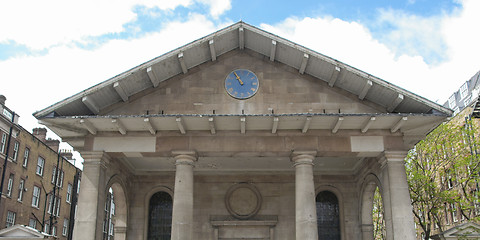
pixel 40 165
pixel 15 151
pixel 25 157
pixel 10 219
pixel 36 196
pixel 10 185
pixel 21 186
pixel 65 227
pixel 69 193
pixel 160 216
pixel 328 216
pixel 3 143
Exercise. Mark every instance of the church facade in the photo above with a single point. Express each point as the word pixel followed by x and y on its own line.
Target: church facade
pixel 242 135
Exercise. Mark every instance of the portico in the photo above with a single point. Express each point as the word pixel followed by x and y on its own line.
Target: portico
pixel 190 159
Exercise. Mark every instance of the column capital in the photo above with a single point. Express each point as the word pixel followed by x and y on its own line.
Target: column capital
pixel 395 155
pixel 95 158
pixel 303 157
pixel 185 157
pixel 392 157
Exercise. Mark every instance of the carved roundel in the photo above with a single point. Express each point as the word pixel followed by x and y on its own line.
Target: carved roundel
pixel 243 200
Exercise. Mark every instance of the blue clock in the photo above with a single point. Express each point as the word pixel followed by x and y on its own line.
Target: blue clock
pixel 241 84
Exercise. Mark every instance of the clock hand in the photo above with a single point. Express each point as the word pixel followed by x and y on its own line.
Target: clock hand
pixel 238 78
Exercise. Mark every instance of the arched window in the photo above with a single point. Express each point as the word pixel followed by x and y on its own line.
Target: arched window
pixel 328 216
pixel 160 216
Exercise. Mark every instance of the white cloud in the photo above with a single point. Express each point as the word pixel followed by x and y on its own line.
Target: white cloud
pixel 353 44
pixel 217 7
pixel 412 34
pixel 43 24
pixel 66 70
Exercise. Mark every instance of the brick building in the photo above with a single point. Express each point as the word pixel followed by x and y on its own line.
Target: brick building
pixel 34 165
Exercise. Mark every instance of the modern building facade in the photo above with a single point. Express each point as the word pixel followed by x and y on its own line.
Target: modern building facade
pixel 465 96
pixel 242 135
pixel 34 172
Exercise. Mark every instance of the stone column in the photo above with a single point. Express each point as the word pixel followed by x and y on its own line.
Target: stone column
pixel 91 200
pixel 182 215
pixel 305 206
pixel 399 220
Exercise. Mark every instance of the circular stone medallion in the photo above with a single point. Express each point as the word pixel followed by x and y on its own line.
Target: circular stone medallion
pixel 243 200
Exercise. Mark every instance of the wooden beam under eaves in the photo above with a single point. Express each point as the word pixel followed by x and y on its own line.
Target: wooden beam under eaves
pixel 334 76
pixel 273 50
pixel 241 38
pixel 303 66
pixel 149 126
pixel 181 60
pixel 306 125
pixel 275 125
pixel 368 124
pixel 211 43
pixel 395 103
pixel 89 126
pixel 338 124
pixel 152 76
pixel 180 125
pixel 120 91
pixel 88 101
pixel 211 123
pixel 119 126
pixel 399 124
pixel 365 89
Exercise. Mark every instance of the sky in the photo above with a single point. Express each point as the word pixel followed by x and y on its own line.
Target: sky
pixel 53 49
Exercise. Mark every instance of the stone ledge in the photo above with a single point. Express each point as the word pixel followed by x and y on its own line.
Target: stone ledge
pixel 262 220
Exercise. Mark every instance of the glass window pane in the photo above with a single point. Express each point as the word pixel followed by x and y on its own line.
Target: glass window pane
pixel 160 216
pixel 328 216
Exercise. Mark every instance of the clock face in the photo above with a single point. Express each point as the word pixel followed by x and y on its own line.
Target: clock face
pixel 241 84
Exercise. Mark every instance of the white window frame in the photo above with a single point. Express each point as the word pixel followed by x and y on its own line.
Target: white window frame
pixel 69 193
pixel 50 203
pixel 21 186
pixel 464 90
pixel 32 223
pixel 452 102
pixel 46 227
pixel 7 114
pixel 40 166
pixel 54 172
pixel 10 221
pixel 11 178
pixel 25 157
pixel 16 145
pixel 454 212
pixel 3 142
pixel 36 196
pixel 65 227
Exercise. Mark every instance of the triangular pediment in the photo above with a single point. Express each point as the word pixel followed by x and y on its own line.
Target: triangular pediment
pixel 205 90
pixel 468 230
pixel 299 89
pixel 181 62
pixel 20 232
